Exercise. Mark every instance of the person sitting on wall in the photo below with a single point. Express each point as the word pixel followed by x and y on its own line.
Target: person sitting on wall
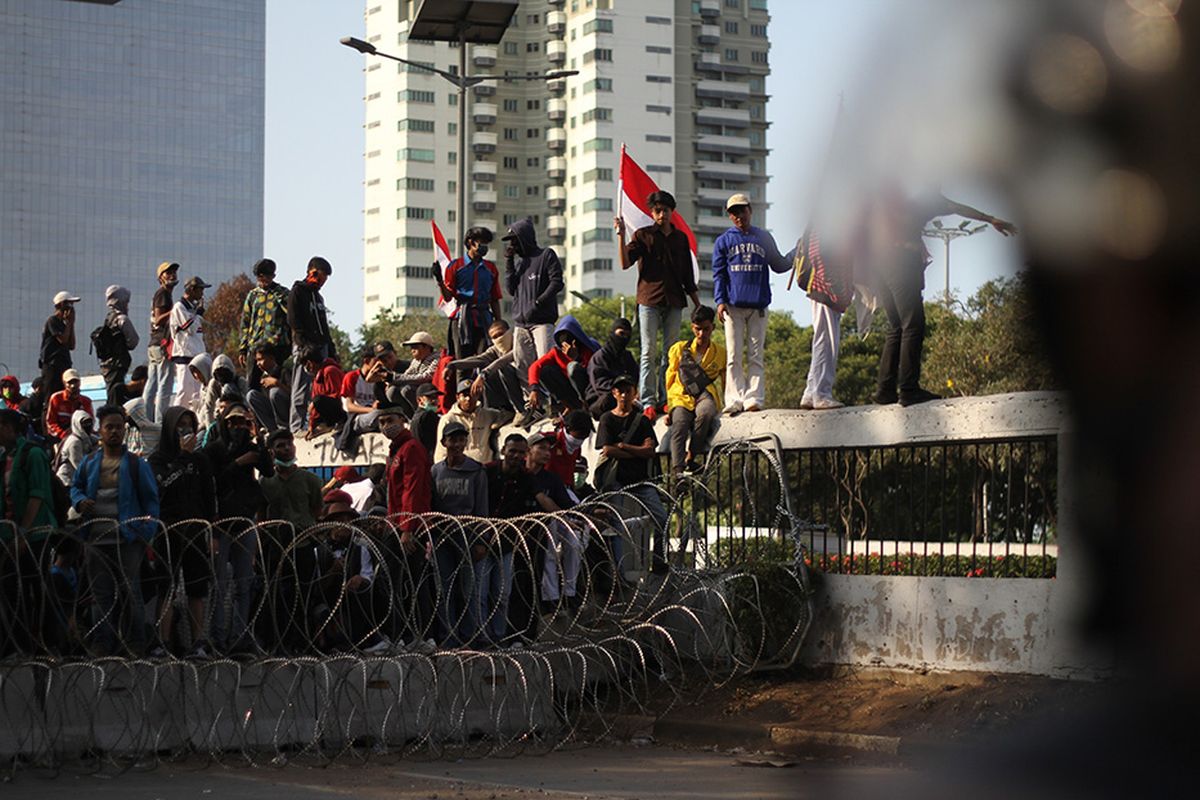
pixel 561 374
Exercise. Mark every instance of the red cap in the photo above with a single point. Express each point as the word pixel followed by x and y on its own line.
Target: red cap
pixel 346 473
pixel 337 496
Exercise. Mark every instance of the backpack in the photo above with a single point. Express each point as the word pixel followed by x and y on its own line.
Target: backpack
pixel 108 340
pixel 59 493
pixel 693 377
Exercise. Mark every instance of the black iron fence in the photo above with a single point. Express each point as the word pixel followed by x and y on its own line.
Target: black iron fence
pixel 983 508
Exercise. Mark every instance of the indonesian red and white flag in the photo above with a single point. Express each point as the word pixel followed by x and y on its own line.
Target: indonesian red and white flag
pixel 441 251
pixel 634 187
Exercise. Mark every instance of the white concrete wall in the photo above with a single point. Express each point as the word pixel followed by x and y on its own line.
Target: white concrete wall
pixel 980 624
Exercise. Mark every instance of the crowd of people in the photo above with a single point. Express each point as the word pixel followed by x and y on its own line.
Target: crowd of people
pixel 188 474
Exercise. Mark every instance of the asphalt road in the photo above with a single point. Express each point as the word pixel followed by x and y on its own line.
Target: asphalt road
pixel 594 772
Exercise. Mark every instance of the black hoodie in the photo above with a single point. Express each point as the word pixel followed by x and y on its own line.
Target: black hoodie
pixel 186 489
pixel 238 491
pixel 533 278
pixel 306 315
pixel 610 362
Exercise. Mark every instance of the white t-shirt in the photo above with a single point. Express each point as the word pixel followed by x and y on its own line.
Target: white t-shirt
pixel 360 493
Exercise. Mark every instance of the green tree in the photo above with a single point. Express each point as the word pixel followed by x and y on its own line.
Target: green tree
pixel 397 328
pixel 989 345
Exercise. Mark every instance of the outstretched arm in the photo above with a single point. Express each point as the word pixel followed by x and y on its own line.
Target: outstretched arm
pixel 1004 227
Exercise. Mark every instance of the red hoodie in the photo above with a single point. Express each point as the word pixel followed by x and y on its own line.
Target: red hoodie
pixel 556 356
pixel 15 402
pixel 409 485
pixel 327 382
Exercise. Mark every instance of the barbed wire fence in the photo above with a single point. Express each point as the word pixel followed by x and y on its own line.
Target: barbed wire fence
pixel 406 638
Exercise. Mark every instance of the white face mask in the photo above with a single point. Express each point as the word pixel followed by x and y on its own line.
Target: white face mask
pixel 573 443
pixel 504 343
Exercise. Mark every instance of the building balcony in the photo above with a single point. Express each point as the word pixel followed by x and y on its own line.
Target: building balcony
pixel 483 113
pixel 556 197
pixel 556 226
pixel 556 51
pixel 557 2
pixel 709 34
pixel 719 170
pixel 483 142
pixel 713 197
pixel 484 90
pixel 483 55
pixel 729 117
pixel 723 89
pixel 490 224
pixel 483 171
pixel 723 144
pixel 483 200
pixel 556 139
pixel 556 109
pixel 710 62
pixel 556 168
pixel 710 9
pixel 711 223
pixel 557 88
pixel 556 22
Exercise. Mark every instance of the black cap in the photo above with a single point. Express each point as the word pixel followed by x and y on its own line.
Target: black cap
pixel 463 387
pixel 454 428
pixel 264 266
pixel 428 390
pixel 624 380
pixel 384 347
pixel 277 434
pixel 542 437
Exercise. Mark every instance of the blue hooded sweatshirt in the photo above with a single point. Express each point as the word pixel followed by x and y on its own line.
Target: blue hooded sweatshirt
pixel 533 277
pixel 740 264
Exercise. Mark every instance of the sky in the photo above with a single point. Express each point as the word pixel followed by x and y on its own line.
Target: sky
pixel 314 140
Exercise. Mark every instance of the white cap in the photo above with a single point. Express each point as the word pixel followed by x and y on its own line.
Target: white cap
pixel 420 337
pixel 65 297
pixel 71 375
pixel 738 199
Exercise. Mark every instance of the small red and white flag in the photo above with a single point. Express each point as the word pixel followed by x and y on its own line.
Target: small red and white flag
pixel 633 189
pixel 441 251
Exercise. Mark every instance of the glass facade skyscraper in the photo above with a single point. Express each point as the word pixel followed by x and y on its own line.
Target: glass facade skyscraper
pixel 130 133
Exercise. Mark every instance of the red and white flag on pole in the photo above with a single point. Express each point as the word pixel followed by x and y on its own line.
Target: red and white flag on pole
pixel 633 187
pixel 441 251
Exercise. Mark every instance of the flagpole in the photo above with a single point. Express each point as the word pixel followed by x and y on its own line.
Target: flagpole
pixel 620 211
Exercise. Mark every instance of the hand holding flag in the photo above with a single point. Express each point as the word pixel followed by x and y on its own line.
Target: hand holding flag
pixel 441 252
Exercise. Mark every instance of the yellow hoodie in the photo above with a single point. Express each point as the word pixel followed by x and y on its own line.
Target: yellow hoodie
pixel 713 364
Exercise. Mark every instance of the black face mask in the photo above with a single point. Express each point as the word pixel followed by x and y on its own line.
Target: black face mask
pixel 239 439
pixel 481 250
pixel 618 341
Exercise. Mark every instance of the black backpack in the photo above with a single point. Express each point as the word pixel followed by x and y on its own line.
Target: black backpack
pixel 108 340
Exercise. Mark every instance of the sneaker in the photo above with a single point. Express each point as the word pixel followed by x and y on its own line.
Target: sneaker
pixel 885 398
pixel 200 649
pixel 733 408
pixel 651 413
pixel 806 403
pixel 380 647
pixel 826 403
pixel 917 396
pixel 752 407
pixel 158 651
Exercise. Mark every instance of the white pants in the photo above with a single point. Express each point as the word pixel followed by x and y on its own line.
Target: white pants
pixel 827 339
pixel 745 334
pixel 566 538
pixel 530 344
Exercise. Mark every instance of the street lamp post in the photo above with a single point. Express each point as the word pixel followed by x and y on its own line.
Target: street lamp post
pixel 947 235
pixel 462 81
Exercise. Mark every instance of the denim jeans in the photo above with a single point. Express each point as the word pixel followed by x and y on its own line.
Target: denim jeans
pixel 455 610
pixel 652 380
pixel 238 544
pixel 301 391
pixel 493 587
pixel 160 379
pixel 116 569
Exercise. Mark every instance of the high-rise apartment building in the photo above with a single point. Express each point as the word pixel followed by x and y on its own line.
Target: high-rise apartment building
pixel 680 82
pixel 131 132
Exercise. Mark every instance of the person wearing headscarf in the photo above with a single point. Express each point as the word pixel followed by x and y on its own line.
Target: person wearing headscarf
pixel 141 435
pixel 78 444
pixel 122 339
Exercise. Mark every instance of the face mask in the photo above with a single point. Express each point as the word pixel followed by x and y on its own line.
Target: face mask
pixel 573 443
pixel 390 431
pixel 481 251
pixel 285 464
pixel 504 342
pixel 8 393
pixel 239 438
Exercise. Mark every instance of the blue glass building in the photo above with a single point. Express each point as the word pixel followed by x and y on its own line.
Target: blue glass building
pixel 131 132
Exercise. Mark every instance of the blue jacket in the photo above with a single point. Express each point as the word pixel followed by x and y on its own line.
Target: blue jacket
pixel 739 264
pixel 533 278
pixel 137 493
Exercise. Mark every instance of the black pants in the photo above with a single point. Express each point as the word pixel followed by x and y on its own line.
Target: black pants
pixel 114 379
pixel 52 380
pixel 566 389
pixel 502 389
pixel 329 411
pixel 254 374
pixel 899 290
